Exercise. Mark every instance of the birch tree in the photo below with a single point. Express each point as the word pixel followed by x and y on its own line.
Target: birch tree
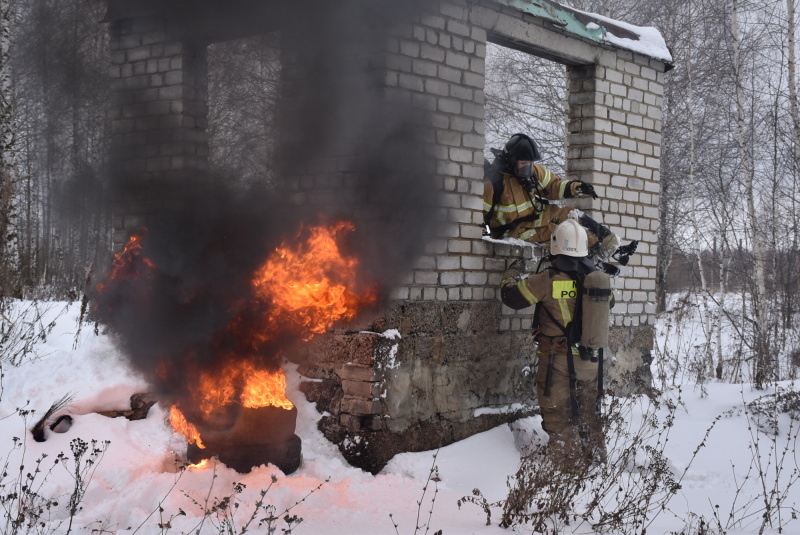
pixel 792 79
pixel 7 153
pixel 61 92
pixel 764 365
pixel 792 261
pixel 526 93
pixel 708 366
pixel 243 86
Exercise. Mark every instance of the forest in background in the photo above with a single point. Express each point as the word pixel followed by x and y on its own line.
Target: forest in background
pixel 729 177
pixel 55 62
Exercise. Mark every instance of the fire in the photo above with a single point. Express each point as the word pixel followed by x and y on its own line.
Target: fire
pixel 216 389
pixel 199 466
pixel 313 285
pixel 125 263
pixel 302 289
pixel 264 388
pixel 258 388
pixel 179 424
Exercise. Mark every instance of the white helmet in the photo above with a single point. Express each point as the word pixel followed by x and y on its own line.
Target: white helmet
pixel 570 239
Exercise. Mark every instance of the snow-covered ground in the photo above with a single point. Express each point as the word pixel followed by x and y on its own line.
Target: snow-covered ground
pixel 134 486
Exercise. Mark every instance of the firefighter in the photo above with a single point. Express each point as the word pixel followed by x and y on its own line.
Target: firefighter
pixel 516 192
pixel 567 373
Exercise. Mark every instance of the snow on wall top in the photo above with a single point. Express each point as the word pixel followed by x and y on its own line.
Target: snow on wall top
pixel 643 40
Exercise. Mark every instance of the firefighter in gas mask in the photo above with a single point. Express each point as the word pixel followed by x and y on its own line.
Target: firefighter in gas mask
pixel 573 302
pixel 516 199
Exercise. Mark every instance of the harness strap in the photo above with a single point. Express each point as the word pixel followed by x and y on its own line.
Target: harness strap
pixel 598 292
pixel 573 376
pixel 573 384
pixel 494 174
pixel 502 229
pixel 599 401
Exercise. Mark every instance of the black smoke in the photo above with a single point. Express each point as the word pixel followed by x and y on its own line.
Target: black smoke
pixel 366 157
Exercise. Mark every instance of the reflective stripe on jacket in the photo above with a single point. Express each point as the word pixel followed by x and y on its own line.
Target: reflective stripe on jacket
pixel 515 202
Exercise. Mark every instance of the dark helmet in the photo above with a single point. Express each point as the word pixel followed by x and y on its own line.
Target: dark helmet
pixel 520 148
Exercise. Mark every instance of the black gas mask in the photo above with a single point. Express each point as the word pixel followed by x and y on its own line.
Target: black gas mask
pixel 523 169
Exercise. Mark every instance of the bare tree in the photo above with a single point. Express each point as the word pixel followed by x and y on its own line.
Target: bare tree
pixel 61 95
pixel 526 93
pixel 7 153
pixel 764 363
pixel 791 263
pixel 708 367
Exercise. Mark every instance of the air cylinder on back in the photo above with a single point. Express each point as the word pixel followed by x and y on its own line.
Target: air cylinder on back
pixel 596 309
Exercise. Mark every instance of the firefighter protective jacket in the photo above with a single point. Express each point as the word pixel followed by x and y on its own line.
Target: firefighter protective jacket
pixel 515 202
pixel 554 289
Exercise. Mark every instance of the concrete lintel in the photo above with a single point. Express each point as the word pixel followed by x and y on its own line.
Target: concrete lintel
pixel 561 34
pixel 572 21
pixel 545 40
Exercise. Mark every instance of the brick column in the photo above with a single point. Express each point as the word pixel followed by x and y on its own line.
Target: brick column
pixel 615 144
pixel 159 144
pixel 439 64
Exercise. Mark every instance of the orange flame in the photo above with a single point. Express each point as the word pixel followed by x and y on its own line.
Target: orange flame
pixel 124 264
pixel 199 466
pixel 179 424
pixel 265 388
pixel 216 389
pixel 313 286
pixel 303 289
pixel 257 388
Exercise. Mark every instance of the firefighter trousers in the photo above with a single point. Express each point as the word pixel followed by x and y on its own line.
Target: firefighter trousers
pixel 573 441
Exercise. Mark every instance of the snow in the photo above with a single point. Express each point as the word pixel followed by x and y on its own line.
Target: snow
pixel 135 486
pixel 514 407
pixel 650 43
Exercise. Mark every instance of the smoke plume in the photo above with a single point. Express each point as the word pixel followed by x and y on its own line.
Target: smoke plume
pixel 178 302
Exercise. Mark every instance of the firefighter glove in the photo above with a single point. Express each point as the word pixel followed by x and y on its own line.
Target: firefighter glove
pixel 586 189
pixel 514 270
pixel 609 269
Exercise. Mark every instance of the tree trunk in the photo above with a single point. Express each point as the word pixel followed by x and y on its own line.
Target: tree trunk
pixel 706 315
pixel 791 290
pixel 7 153
pixel 764 364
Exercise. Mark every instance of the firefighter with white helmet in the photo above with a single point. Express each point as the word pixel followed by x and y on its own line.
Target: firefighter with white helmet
pixel 572 301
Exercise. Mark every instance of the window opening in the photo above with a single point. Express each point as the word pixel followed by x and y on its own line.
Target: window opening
pixel 243 88
pixel 528 94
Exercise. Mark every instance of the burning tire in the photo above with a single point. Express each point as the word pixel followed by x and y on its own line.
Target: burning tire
pixel 256 436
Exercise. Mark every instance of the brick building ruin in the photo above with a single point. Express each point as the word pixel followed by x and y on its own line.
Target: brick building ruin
pixel 445 359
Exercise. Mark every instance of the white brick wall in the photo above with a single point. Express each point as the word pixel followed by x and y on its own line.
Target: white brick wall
pixel 614 137
pixel 628 159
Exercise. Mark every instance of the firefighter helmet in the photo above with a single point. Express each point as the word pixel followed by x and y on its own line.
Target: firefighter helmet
pixel 519 154
pixel 569 239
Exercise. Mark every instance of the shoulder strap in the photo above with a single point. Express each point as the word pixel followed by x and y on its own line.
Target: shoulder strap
pixel 500 230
